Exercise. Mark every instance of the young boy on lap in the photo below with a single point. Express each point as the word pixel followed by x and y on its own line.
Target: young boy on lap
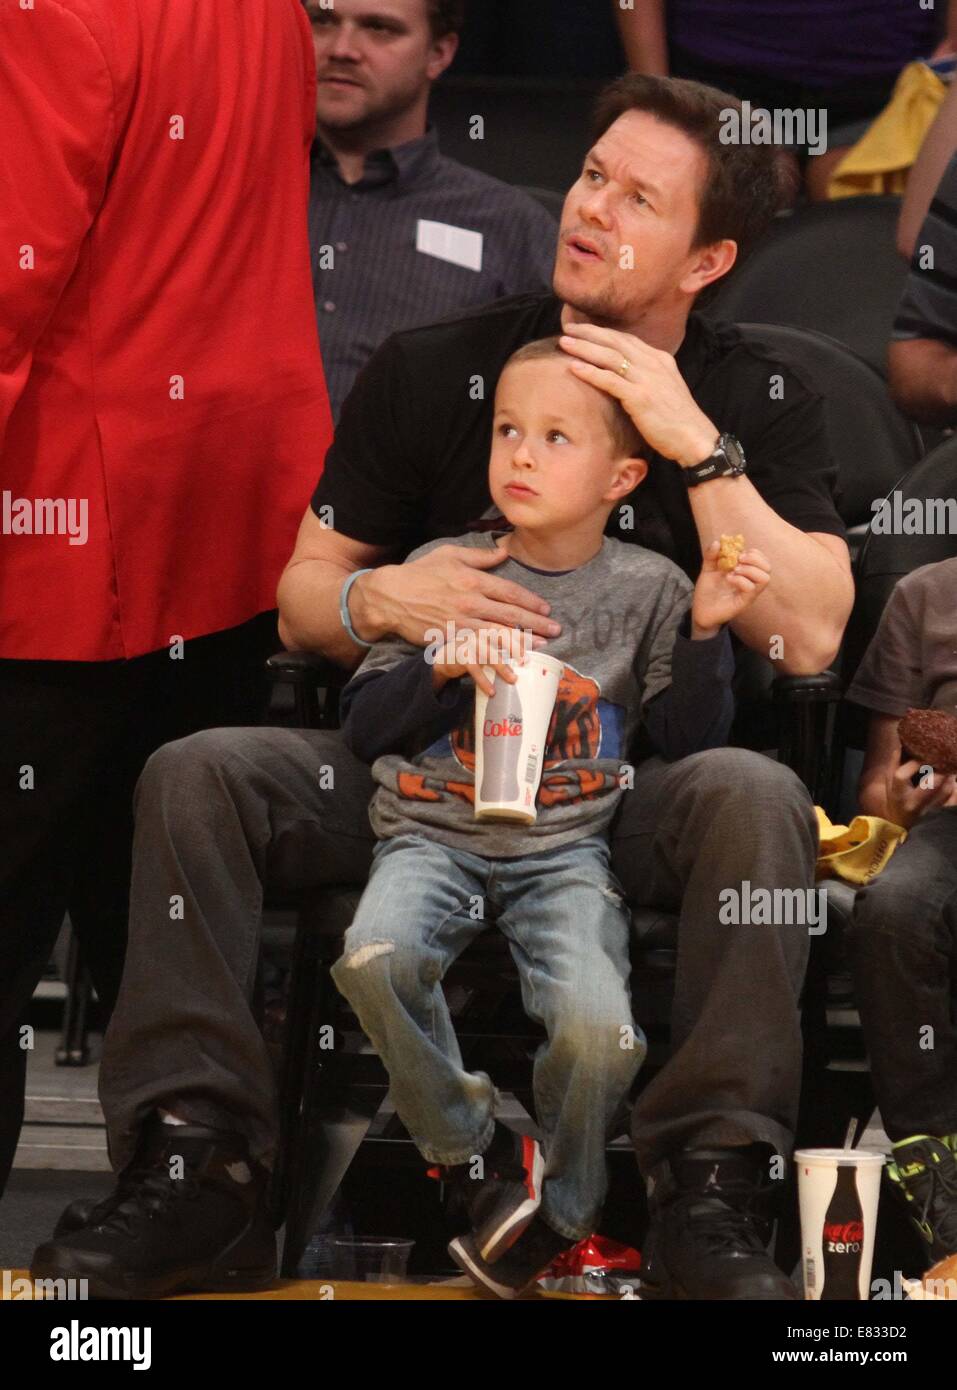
pixel 635 649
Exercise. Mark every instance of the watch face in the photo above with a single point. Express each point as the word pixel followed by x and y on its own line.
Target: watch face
pixel 733 452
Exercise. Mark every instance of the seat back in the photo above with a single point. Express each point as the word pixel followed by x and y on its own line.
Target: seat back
pixel 832 267
pixel 525 130
pixel 873 443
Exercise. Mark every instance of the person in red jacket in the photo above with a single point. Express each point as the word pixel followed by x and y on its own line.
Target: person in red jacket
pixel 162 415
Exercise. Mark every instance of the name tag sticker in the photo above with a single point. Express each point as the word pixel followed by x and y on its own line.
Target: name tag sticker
pixel 448 243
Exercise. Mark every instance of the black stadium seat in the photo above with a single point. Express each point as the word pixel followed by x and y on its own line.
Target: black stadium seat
pixel 531 130
pixel 832 267
pixel 874 444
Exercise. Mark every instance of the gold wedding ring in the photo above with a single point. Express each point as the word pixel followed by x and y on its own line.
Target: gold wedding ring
pixel 624 368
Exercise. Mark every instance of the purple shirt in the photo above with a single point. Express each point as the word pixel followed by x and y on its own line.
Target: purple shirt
pixel 819 43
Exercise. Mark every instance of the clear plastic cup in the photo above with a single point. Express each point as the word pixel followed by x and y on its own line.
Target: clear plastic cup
pixel 371 1259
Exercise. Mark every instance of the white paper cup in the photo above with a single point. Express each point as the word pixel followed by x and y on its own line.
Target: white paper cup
pixel 510 733
pixel 838 1191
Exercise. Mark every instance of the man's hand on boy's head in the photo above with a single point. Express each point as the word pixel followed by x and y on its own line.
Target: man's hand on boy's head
pixel 720 596
pixel 649 386
pixel 907 803
pixel 451 584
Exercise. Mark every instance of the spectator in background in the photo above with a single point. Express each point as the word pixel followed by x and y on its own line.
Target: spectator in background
pixel 902 940
pixel 401 235
pixel 162 416
pixel 939 146
pixel 922 360
pixel 840 55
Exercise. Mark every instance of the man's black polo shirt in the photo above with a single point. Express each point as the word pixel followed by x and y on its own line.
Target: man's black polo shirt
pixel 410 457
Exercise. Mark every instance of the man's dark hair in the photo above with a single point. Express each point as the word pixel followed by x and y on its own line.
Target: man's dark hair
pixel 445 17
pixel 744 186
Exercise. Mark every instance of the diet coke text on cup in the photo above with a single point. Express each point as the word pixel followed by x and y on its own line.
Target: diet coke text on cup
pixel 512 727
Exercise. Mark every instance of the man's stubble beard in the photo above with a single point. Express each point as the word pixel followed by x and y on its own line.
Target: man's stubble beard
pixel 372 119
pixel 601 307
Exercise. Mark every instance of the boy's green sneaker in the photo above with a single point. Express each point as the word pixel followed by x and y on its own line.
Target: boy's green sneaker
pixel 923 1173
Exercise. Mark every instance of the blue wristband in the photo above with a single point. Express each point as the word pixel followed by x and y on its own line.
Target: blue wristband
pixel 344 609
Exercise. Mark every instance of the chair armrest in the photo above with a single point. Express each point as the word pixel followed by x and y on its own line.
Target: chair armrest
pixel 807 708
pixel 316 682
pixel 823 687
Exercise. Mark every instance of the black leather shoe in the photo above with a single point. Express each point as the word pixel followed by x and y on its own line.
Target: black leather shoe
pixel 189 1214
pixel 710 1227
pixel 75 1217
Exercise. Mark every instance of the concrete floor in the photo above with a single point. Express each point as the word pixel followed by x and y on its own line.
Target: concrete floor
pixel 63 1126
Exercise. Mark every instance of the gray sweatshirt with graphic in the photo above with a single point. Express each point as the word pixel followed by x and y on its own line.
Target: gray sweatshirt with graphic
pixel 627 657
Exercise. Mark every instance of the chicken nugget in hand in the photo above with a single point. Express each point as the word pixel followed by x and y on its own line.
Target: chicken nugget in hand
pixel 722 594
pixel 729 552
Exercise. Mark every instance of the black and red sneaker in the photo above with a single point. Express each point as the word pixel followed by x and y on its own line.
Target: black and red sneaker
pixel 501 1193
pixel 520 1267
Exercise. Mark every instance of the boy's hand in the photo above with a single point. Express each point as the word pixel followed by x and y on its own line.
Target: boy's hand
pixel 906 804
pixel 491 647
pixel 720 596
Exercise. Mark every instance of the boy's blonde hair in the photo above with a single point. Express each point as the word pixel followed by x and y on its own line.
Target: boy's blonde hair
pixel 626 439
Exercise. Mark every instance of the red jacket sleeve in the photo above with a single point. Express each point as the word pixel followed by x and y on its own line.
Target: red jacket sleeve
pixel 56 118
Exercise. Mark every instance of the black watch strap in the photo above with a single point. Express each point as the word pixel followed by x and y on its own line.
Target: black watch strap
pixel 726 460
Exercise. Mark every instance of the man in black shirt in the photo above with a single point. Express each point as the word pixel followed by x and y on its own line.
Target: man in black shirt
pixel 660 212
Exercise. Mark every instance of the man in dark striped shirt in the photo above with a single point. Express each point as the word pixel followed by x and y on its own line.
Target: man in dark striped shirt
pixel 923 354
pixel 401 235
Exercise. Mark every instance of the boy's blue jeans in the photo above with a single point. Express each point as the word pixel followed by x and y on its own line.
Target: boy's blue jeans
pixel 564 916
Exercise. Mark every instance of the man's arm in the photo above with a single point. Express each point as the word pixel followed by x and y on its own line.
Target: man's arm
pixel 922 375
pixel 809 599
pixel 936 152
pixel 643 36
pixel 805 608
pixel 310 586
pixel 448 584
pixel 922 358
pixel 56 114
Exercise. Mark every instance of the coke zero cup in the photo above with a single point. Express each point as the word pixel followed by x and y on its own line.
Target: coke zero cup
pixel 510 732
pixel 838 1190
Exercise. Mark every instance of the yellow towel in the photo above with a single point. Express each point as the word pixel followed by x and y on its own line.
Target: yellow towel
pixel 855 852
pixel 882 158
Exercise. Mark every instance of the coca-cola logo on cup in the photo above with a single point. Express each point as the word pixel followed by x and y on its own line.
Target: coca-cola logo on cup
pixel 509 727
pixel 850 1235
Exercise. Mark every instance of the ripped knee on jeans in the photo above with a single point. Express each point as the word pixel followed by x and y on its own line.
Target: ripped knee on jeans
pixel 363 954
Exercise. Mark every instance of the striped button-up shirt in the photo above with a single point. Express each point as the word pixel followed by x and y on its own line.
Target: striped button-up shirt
pixel 418 237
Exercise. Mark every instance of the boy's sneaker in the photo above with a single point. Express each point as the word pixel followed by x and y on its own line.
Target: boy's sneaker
pixel 923 1173
pixel 502 1202
pixel 513 1273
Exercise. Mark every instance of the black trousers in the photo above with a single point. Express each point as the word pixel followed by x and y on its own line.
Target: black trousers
pixel 74 737
pixel 903 945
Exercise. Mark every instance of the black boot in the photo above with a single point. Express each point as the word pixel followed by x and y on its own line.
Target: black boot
pixel 710 1226
pixel 189 1214
pixel 79 1214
